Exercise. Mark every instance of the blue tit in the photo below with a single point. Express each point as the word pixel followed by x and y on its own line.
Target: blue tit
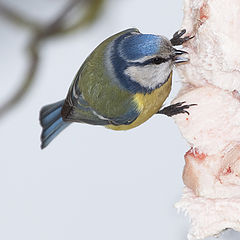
pixel 120 85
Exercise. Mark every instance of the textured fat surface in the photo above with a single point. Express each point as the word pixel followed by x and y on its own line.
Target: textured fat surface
pixel 212 80
pixel 215 51
pixel 213 176
pixel 215 119
pixel 209 216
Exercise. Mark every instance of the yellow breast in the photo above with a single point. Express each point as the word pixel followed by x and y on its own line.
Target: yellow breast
pixel 148 104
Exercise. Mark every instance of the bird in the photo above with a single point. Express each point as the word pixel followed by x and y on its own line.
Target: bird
pixel 120 85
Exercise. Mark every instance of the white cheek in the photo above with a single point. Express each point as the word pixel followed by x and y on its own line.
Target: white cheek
pixel 150 76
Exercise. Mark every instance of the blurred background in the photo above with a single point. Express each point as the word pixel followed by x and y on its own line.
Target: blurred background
pixel 90 182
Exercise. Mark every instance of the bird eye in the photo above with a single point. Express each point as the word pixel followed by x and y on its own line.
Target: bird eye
pixel 158 60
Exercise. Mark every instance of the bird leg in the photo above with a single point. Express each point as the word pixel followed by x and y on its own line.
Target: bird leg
pixel 175 109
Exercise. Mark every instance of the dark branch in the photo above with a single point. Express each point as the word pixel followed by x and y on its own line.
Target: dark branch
pixel 41 33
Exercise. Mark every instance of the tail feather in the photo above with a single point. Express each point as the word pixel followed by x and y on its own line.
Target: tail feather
pixel 51 122
pixel 49 113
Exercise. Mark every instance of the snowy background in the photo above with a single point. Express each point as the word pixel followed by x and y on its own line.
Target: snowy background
pixel 90 182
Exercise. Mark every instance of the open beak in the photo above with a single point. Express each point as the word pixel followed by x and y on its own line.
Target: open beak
pixel 177 58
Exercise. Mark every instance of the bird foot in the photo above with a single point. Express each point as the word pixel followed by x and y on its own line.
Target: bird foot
pixel 175 109
pixel 177 38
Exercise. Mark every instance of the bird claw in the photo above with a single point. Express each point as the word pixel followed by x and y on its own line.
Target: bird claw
pixel 176 109
pixel 177 38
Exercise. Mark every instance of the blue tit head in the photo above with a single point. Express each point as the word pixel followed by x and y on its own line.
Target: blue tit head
pixel 141 62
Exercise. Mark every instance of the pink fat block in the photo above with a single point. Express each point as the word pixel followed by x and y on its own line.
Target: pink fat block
pixel 211 80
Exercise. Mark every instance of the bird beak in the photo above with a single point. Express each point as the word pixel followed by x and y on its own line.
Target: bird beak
pixel 177 58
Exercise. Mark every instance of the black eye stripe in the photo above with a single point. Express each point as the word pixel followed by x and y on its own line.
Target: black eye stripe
pixel 158 60
pixel 155 61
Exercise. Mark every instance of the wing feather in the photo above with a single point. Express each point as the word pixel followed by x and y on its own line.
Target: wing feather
pixel 95 98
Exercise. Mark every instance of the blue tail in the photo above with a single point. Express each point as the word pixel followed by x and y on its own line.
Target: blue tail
pixel 51 122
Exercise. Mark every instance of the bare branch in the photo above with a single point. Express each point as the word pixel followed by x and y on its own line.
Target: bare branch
pixel 88 18
pixel 18 18
pixel 41 33
pixel 27 82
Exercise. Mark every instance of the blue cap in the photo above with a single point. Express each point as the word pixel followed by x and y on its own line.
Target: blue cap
pixel 140 45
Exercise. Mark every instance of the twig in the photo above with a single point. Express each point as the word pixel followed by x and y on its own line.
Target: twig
pixel 18 18
pixel 56 27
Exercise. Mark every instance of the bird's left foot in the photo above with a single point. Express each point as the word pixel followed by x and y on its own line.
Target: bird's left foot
pixel 175 109
pixel 177 38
